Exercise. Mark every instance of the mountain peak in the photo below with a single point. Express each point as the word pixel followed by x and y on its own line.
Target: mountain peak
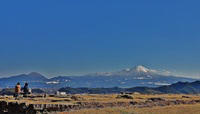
pixel 141 69
pixel 138 70
pixel 34 74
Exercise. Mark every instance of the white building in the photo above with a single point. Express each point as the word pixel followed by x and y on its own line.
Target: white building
pixel 60 93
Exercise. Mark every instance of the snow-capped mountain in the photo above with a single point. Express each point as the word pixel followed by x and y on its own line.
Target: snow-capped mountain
pixel 138 70
pixel 130 77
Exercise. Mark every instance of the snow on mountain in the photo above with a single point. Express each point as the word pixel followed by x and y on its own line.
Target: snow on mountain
pixel 138 70
pixel 130 77
pixel 141 69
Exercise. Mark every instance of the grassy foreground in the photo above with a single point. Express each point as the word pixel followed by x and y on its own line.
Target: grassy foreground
pixel 178 109
pixel 175 109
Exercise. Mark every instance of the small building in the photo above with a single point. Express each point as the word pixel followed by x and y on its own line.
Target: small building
pixel 60 93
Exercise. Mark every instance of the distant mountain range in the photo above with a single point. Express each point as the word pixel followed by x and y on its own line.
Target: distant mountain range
pixel 177 88
pixel 126 78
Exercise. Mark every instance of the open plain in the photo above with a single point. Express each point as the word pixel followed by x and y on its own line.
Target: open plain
pixel 102 104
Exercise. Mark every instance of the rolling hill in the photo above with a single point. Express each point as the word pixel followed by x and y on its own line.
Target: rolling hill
pixel 177 88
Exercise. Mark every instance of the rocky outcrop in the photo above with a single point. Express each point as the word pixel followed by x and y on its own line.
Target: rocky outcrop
pixel 104 104
pixel 156 99
pixel 77 98
pixel 23 108
pixel 125 96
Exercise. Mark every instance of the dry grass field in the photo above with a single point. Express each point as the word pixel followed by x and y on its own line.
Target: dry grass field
pixel 178 109
pixel 112 98
pixel 137 98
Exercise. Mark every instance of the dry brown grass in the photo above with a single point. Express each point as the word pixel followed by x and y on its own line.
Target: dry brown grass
pixel 178 109
pixel 138 98
pixel 112 97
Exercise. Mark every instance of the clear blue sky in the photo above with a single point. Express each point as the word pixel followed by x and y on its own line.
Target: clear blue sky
pixel 74 37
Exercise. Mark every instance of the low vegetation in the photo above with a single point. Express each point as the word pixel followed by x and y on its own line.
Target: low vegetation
pixel 179 109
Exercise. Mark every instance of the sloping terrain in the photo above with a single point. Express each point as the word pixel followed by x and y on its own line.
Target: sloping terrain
pixel 177 88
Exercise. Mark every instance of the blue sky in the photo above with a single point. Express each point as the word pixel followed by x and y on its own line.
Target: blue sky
pixel 69 37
